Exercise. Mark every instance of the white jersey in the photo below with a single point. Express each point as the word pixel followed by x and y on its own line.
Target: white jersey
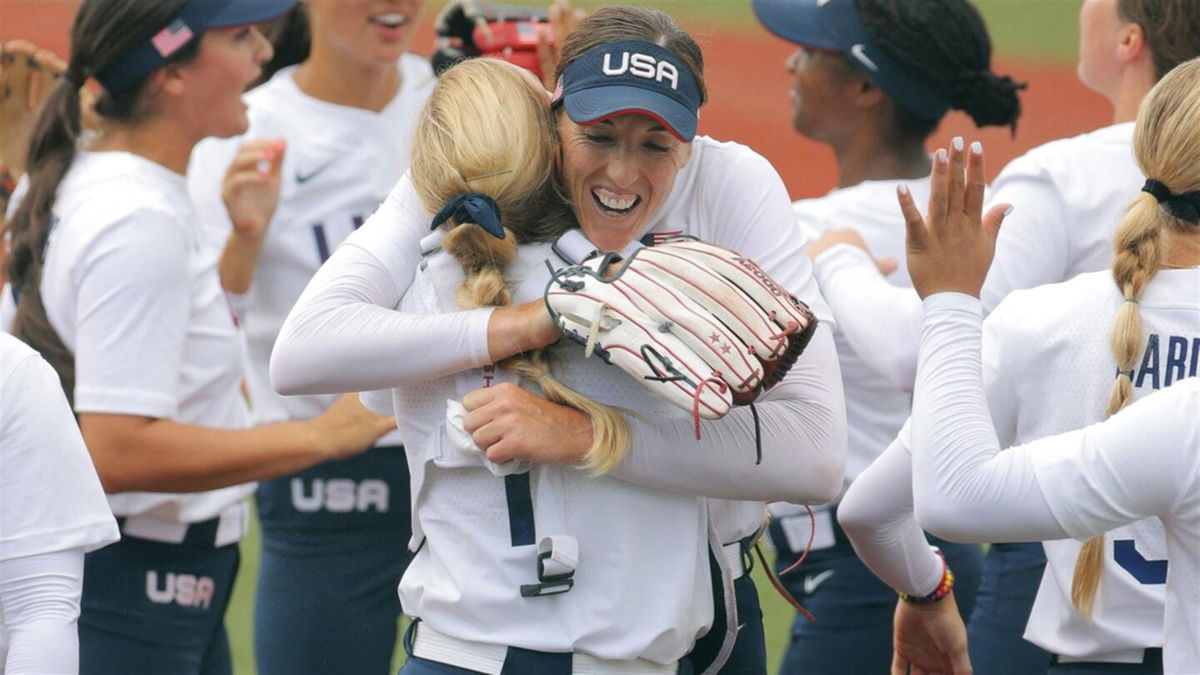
pixel 876 408
pixel 642 585
pixel 1144 461
pixel 1068 196
pixel 50 497
pixel 339 165
pixel 127 291
pixel 1048 369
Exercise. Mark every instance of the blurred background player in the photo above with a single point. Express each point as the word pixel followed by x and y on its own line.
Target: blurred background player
pixel 1069 195
pixel 868 84
pixel 114 293
pixel 330 134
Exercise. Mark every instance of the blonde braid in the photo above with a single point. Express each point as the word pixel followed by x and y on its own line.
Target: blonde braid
pixel 1138 247
pixel 1166 142
pixel 484 258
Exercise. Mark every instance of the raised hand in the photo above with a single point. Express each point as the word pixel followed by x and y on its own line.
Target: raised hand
pixel 951 248
pixel 251 187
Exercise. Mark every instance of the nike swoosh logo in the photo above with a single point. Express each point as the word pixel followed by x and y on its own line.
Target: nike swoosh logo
pixel 812 582
pixel 822 3
pixel 305 177
pixel 860 52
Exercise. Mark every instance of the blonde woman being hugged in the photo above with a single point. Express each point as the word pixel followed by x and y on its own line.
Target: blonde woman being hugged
pixel 113 292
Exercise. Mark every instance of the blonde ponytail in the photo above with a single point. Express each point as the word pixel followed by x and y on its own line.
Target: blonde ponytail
pixel 1167 145
pixel 487 130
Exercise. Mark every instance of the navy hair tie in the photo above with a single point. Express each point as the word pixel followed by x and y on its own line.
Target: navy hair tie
pixel 1184 206
pixel 472 207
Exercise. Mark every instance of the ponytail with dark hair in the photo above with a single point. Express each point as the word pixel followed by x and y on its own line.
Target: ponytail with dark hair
pixel 944 42
pixel 103 30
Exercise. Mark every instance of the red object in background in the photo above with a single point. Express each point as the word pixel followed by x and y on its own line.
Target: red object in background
pixel 514 41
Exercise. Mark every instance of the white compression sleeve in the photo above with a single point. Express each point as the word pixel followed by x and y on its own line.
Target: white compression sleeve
pixel 344 335
pixel 802 430
pixel 40 596
pixel 881 322
pixel 965 489
pixel 877 515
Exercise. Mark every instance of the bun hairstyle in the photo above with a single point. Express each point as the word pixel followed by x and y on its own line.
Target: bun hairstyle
pixel 943 41
pixel 1166 143
pixel 1171 29
pixel 103 31
pixel 487 130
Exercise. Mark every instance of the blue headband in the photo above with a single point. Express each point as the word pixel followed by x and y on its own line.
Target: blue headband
pixel 472 207
pixel 835 25
pixel 631 77
pixel 196 17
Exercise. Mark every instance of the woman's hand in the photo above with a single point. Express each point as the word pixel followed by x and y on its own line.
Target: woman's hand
pixel 930 639
pixel 951 249
pixel 251 187
pixel 514 329
pixel 347 428
pixel 831 238
pixel 510 423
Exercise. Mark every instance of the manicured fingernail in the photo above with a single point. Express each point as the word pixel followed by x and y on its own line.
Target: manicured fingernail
pixel 977 148
pixel 957 142
pixel 941 156
pixel 903 189
pixel 1008 210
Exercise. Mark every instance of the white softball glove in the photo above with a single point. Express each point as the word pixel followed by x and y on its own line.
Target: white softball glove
pixel 698 324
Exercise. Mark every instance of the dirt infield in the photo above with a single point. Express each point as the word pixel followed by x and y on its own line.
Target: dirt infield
pixel 748 93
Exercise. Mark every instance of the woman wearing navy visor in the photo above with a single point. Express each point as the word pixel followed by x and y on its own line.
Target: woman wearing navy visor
pixel 634 169
pixel 113 293
pixel 867 83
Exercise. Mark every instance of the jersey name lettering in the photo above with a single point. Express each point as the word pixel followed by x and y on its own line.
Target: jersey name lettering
pixel 340 495
pixel 1162 366
pixel 184 590
pixel 643 66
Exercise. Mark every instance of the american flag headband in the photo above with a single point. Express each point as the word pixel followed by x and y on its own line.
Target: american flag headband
pixel 129 68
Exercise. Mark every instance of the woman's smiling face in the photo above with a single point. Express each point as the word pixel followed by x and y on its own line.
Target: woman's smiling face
pixel 617 173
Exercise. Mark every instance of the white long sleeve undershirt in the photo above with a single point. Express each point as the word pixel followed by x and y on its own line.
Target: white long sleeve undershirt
pixel 39 595
pixel 961 480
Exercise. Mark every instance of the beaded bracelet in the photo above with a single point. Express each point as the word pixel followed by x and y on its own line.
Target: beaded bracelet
pixel 943 589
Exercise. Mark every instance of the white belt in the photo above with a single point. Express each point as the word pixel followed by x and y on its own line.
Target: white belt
pixel 232 526
pixel 733 559
pixel 1133 656
pixel 488 658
